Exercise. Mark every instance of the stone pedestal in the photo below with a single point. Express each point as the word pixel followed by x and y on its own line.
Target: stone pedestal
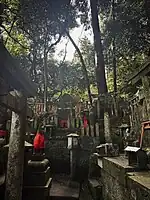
pixel 107 127
pixel 37 179
pixel 74 154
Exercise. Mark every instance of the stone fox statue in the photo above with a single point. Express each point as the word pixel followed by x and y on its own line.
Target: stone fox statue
pixel 39 142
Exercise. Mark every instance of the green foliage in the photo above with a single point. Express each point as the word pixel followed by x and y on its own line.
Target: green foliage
pixel 36 25
pixel 125 67
pixel 13 36
pixel 14 48
pixel 88 53
pixel 127 22
pixel 50 16
pixel 130 26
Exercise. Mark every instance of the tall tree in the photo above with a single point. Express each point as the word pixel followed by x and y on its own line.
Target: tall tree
pixel 83 67
pixel 132 38
pixel 100 65
pixel 147 10
pixel 51 19
pixel 114 51
pixel 88 54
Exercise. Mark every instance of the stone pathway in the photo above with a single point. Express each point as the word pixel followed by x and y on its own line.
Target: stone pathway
pixel 62 189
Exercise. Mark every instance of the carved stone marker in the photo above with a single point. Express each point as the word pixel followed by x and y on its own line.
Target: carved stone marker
pixel 37 179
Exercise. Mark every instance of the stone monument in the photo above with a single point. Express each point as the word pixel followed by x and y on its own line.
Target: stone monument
pixel 37 181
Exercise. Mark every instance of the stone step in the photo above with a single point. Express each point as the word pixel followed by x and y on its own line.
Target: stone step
pixel 62 189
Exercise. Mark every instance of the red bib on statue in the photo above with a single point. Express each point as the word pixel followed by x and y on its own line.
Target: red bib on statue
pixel 39 141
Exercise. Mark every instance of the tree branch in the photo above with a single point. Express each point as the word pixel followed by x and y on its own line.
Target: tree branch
pixel 10 29
pixel 83 66
pixel 13 37
pixel 55 43
pixel 65 53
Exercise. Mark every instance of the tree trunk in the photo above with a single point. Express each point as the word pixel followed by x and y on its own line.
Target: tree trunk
pixel 114 52
pixel 14 177
pixel 1 18
pixel 147 11
pixel 46 51
pixel 45 83
pixel 114 67
pixel 83 67
pixel 100 65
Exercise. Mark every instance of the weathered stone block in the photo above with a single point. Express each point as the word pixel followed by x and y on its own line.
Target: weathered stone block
pixel 139 185
pixel 112 188
pixel 119 184
pixel 113 176
pixel 117 167
pixel 38 166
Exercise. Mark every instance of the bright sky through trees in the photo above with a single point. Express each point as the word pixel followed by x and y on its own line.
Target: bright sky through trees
pixel 76 34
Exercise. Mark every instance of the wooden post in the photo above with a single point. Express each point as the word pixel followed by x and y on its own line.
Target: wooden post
pixel 14 177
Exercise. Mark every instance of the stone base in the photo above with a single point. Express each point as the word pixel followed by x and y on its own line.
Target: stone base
pixel 37 178
pixel 38 166
pixel 37 157
pixel 37 192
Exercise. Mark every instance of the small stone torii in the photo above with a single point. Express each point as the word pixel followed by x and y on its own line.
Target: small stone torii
pixel 23 88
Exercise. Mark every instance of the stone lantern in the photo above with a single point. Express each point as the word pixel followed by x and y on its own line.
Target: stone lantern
pixel 73 146
pixel 73 141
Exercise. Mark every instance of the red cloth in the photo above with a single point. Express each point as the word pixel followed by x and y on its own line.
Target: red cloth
pixel 38 142
pixel 85 122
pixel 3 133
pixel 63 123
